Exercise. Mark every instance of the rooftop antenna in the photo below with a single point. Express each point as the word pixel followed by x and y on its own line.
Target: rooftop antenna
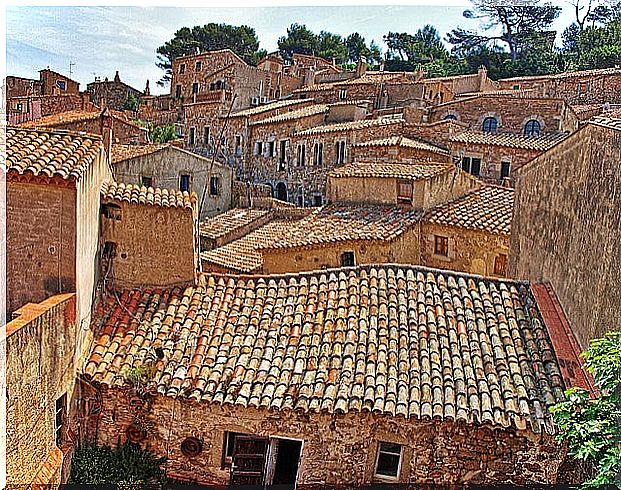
pixel 71 65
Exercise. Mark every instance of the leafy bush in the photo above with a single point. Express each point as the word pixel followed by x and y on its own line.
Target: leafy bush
pixel 126 466
pixel 163 134
pixel 592 426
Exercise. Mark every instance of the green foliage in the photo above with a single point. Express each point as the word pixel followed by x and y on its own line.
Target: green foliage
pixel 132 103
pixel 163 134
pixel 140 374
pixel 125 465
pixel 242 40
pixel 592 427
pixel 299 39
pixel 424 46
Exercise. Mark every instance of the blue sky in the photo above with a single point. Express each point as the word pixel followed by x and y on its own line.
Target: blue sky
pixel 101 40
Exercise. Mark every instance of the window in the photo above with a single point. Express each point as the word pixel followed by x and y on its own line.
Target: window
pixel 348 259
pixel 59 419
pixel 195 88
pixel 61 84
pixel 441 245
pixel 271 149
pixel 109 250
pixel 471 165
pixel 184 183
pixel 238 140
pixel 490 124
pixel 192 138
pixel 388 462
pixel 20 107
pixel 450 117
pixel 516 87
pixel 343 94
pixel 214 186
pixel 340 152
pixel 258 148
pixel 178 91
pixel 500 265
pixel 301 155
pixel 318 155
pixel 112 211
pixel 206 136
pixel 228 448
pixel 404 191
pixel 147 181
pixel 318 200
pixel 505 169
pixel 198 66
pixel 283 151
pixel 532 128
pixel 182 68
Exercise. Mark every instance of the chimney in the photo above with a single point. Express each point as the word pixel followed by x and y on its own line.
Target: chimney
pixel 117 78
pixel 105 126
pixel 147 90
pixel 361 67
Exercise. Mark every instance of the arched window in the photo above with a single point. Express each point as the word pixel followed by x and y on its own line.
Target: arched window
pixel 450 117
pixel 532 128
pixel 490 124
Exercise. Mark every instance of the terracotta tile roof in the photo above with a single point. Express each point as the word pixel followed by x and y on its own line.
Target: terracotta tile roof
pixel 230 221
pixel 610 120
pixel 350 126
pixel 542 143
pixel 49 471
pixel 403 142
pixel 243 255
pixel 489 208
pixel 67 117
pixel 279 104
pixel 411 171
pixel 311 110
pixel 50 153
pixel 343 222
pixel 125 152
pixel 390 339
pixel 369 78
pixel 570 74
pixel 527 93
pixel 135 194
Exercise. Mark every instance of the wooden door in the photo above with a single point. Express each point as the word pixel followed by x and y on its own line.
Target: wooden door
pixel 249 456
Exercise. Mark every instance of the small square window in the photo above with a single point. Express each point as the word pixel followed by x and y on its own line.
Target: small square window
pixel 441 245
pixel 184 183
pixel 259 148
pixel 505 169
pixel 388 462
pixel 500 265
pixel 214 186
pixel 61 84
pixel 199 66
pixel 404 191
pixel 147 181
pixel 348 259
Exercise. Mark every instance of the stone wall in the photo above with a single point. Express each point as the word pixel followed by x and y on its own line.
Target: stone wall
pixel 470 251
pixel 47 105
pixel 112 94
pixel 18 87
pixel 39 370
pixel 167 165
pixel 40 239
pixel 396 154
pixel 438 133
pixel 154 246
pixel 566 227
pixel 337 449
pixel 49 80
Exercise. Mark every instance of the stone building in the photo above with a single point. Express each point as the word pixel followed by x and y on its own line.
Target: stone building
pixel 170 167
pixel 149 236
pixel 445 89
pixel 399 149
pixel 112 94
pixel 40 382
pixel 93 122
pixel 495 156
pixel 581 87
pixel 566 225
pixel 340 382
pixel 53 83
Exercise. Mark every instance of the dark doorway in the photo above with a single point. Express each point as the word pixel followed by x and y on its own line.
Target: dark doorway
pixel 281 191
pixel 287 464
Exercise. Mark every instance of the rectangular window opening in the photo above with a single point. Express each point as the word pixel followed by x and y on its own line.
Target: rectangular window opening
pixel 441 245
pixel 348 259
pixel 388 462
pixel 184 183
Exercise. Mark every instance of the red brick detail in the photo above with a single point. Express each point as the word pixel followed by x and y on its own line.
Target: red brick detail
pixel 563 340
pixel 48 472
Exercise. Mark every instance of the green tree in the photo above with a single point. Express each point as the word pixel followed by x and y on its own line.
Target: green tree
pixel 240 39
pixel 509 24
pixel 162 134
pixel 299 39
pixel 332 46
pixel 131 103
pixel 591 427
pixel 356 47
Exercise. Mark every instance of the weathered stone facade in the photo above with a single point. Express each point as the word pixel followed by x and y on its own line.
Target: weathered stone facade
pixel 53 83
pixel 337 450
pixel 113 94
pixel 566 227
pixel 40 377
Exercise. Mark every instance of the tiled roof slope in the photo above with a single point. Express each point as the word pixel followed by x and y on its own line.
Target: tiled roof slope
pixel 403 142
pixel 279 104
pixel 349 126
pixel 413 171
pixel 489 208
pixel 311 110
pixel 243 255
pixel 542 143
pixel 229 221
pixel 343 222
pixel 394 340
pixel 77 115
pixel 135 194
pixel 50 153
pixel 610 120
pixel 126 152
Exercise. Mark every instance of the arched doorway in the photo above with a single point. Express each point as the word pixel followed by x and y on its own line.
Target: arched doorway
pixel 281 191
